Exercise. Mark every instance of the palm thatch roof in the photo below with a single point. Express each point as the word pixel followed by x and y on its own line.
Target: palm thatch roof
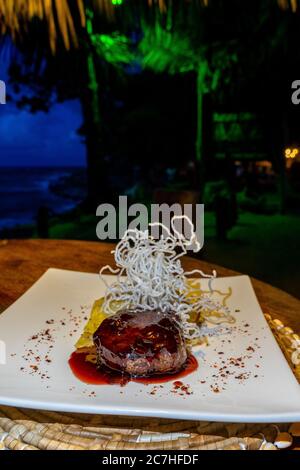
pixel 59 15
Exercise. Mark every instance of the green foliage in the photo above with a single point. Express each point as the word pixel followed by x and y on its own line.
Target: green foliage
pixel 166 51
pixel 114 48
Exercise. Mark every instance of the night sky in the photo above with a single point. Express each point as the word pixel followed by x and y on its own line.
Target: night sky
pixel 41 139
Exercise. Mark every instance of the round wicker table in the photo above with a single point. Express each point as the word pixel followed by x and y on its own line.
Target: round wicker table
pixel 21 264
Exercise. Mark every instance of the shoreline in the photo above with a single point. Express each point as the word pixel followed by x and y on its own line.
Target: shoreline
pixel 57 190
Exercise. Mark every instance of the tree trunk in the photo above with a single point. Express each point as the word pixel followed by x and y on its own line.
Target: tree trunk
pixel 93 131
pixel 199 140
pixel 282 166
pixel 93 122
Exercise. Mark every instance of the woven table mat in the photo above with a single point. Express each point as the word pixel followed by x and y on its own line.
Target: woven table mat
pixel 24 429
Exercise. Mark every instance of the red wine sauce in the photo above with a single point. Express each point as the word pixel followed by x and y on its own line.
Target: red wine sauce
pixel 90 374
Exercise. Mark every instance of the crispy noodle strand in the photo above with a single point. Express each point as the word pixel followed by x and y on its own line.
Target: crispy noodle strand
pixel 150 276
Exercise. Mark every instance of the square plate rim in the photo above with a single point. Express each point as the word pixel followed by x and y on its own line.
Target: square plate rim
pixel 266 417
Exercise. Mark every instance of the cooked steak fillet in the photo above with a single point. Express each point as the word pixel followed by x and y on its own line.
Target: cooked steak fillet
pixel 141 343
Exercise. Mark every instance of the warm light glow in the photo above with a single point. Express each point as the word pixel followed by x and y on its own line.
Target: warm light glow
pixel 291 153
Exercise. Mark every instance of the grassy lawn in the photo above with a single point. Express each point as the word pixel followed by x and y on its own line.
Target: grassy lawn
pixel 264 246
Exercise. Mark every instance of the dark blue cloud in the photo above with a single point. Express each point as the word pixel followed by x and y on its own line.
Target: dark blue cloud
pixel 41 139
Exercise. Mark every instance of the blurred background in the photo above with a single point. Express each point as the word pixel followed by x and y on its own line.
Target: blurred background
pixel 162 101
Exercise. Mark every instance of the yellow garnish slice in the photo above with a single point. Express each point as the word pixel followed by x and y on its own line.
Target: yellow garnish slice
pixel 96 318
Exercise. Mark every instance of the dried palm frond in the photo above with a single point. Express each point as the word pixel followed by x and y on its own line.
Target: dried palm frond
pixel 15 15
pixel 60 15
pixel 288 4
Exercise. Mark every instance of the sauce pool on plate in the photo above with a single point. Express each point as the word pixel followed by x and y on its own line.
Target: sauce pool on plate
pixel 90 374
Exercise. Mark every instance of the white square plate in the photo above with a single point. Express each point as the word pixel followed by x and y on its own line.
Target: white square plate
pixel 242 374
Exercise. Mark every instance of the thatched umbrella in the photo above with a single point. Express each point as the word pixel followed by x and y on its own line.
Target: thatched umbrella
pixel 59 14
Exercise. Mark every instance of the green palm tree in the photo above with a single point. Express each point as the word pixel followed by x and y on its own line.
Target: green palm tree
pixel 173 41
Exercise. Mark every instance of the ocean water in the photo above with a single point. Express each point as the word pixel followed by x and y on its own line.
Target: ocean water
pixel 24 190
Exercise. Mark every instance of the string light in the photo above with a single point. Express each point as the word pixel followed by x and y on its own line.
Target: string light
pixel 291 152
